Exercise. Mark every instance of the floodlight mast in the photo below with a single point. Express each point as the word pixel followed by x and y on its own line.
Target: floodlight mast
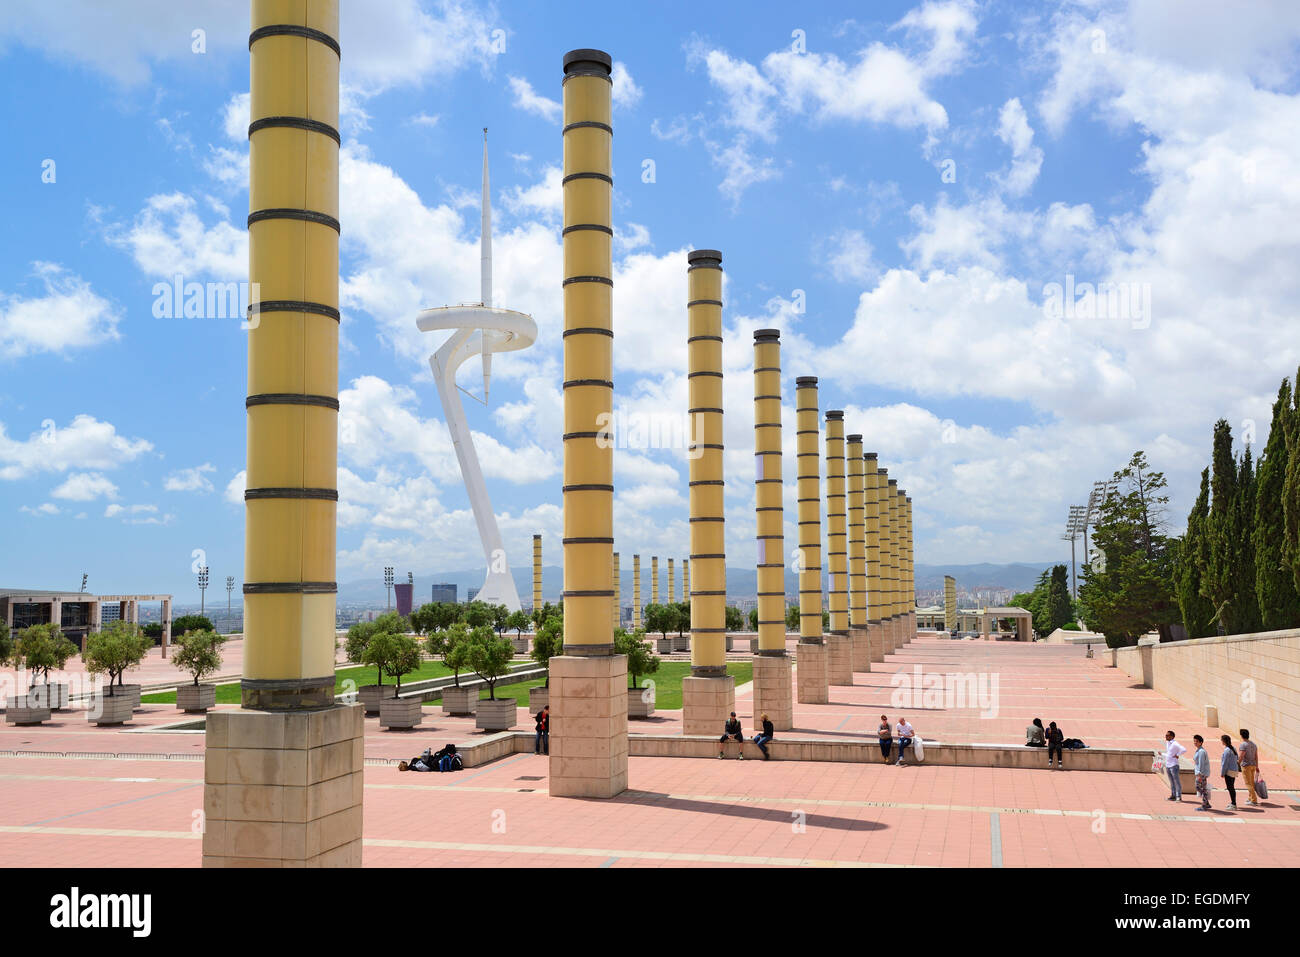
pixel 478 329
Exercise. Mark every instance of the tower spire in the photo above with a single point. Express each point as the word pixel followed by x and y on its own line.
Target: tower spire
pixel 485 238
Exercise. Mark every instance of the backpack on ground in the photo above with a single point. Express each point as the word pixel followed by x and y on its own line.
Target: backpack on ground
pixel 450 762
pixel 1073 744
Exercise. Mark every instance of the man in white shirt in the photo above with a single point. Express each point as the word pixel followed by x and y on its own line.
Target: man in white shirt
pixel 903 732
pixel 1172 750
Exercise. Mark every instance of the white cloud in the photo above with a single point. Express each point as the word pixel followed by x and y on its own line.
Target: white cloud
pixel 850 257
pixel 69 315
pixel 1026 159
pixel 626 94
pixel 190 480
pixel 168 236
pixel 85 487
pixel 530 101
pixel 235 488
pixel 48 508
pixel 85 443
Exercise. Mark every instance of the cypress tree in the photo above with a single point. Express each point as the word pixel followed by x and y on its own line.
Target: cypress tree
pixel 1290 538
pixel 1059 606
pixel 1275 588
pixel 1217 579
pixel 1192 558
pixel 1245 605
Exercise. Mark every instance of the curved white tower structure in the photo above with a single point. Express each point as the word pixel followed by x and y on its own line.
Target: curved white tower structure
pixel 478 329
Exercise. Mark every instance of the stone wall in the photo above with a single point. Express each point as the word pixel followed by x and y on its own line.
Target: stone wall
pixel 1253 681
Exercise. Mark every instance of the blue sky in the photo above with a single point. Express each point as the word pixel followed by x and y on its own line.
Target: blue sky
pixel 915 174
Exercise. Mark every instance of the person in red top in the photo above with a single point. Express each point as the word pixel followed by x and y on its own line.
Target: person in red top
pixel 542 743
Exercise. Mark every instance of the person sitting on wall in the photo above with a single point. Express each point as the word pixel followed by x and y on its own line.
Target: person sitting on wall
pixel 731 732
pixel 1034 735
pixel 763 737
pixel 886 737
pixel 904 732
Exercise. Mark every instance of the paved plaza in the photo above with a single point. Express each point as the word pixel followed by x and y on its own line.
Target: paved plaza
pixel 66 802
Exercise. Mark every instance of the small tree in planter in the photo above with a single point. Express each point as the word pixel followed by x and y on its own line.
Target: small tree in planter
pixel 640 702
pixel 396 655
pixel 681 614
pixel 490 655
pixel 451 645
pixel 548 642
pixel 357 645
pixel 518 621
pixel 199 653
pixel 113 651
pixel 663 619
pixel 190 623
pixel 500 619
pixel 41 648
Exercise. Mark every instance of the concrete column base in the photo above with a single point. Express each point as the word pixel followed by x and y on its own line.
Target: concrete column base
pixel 876 640
pixel 707 703
pixel 588 726
pixel 911 625
pixel 283 788
pixel 812 676
pixel 773 692
pixel 891 635
pixel 861 652
pixel 839 659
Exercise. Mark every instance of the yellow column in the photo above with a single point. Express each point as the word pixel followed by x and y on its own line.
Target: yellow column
pixel 857 556
pixel 886 563
pixel 654 579
pixel 909 587
pixel 872 496
pixel 895 565
pixel 617 588
pixel 636 592
pixel 287 691
pixel 537 573
pixel 949 603
pixel 812 677
pixel 686 579
pixel 709 694
pixel 773 693
pixel 588 682
pixel 672 583
pixel 839 647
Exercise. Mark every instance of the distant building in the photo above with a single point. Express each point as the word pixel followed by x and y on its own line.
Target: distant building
pixel 444 591
pixel 402 593
pixel 473 593
pixel 77 613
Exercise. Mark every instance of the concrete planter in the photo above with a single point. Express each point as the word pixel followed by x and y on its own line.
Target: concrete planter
pixel 637 706
pixel 729 642
pixel 753 646
pixel 663 646
pixel 369 696
pixel 400 712
pixel 196 699
pixel 498 715
pixel 520 645
pixel 53 696
pixel 538 698
pixel 129 691
pixel 27 710
pixel 682 644
pixel 459 700
pixel 113 709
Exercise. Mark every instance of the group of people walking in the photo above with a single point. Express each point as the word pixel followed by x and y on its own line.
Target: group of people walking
pixel 1232 762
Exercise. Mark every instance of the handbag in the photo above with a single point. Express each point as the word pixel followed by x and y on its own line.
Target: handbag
pixel 1261 788
pixel 1158 766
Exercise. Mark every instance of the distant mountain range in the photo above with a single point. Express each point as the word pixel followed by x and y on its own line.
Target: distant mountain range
pixel 742 582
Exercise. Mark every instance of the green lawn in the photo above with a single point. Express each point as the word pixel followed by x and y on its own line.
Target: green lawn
pixel 229 693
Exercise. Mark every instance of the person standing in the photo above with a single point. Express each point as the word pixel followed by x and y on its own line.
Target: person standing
pixel 1173 750
pixel 1249 760
pixel 1229 768
pixel 1201 761
pixel 886 737
pixel 1055 741
pixel 542 743
pixel 904 732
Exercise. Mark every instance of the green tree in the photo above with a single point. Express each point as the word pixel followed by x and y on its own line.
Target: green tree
pixel 477 614
pixel 1192 556
pixel 489 655
pixel 1218 580
pixel 517 620
pixel 681 614
pixel 1275 585
pixel 40 648
pixel 199 653
pixel 1134 593
pixel 500 619
pixel 1245 606
pixel 753 619
pixel 435 616
pixel 735 621
pixel 392 653
pixel 639 659
pixel 660 618
pixel 1291 487
pixel 363 634
pixel 114 650
pixel 1058 605
pixel 449 645
pixel 152 630
pixel 191 623
pixel 7 648
pixel 548 642
pixel 792 618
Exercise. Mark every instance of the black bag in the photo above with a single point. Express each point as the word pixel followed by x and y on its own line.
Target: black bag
pixel 1073 744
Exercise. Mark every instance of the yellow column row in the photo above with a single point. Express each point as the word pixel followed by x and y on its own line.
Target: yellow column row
pixel 768 485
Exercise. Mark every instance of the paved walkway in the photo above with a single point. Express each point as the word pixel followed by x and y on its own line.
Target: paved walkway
pixel 137 808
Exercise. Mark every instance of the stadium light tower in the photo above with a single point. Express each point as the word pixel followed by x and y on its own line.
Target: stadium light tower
pixel 230 586
pixel 203 586
pixel 1074 525
pixel 388 587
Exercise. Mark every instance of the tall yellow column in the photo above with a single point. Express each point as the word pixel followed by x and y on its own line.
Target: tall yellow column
pixel 886 563
pixel 811 667
pixel 872 496
pixel 909 585
pixel 895 566
pixel 686 579
pixel 654 579
pixel 709 694
pixel 839 647
pixel 289 519
pixel 949 603
pixel 588 682
pixel 636 592
pixel 857 556
pixel 773 693
pixel 617 618
pixel 672 582
pixel 537 573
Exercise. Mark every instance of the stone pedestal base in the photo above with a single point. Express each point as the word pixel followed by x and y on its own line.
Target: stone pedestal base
pixel 707 703
pixel 876 640
pixel 861 652
pixel 588 726
pixel 811 675
pixel 911 625
pixel 891 635
pixel 773 693
pixel 283 789
pixel 839 659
